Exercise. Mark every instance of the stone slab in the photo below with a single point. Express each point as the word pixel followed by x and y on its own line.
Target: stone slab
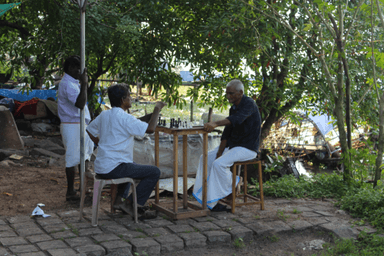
pixel 30 231
pixel 310 214
pixel 111 246
pixel 31 254
pixel 136 226
pixel 205 219
pixel 91 249
pixel 9 241
pixel 56 228
pixel 19 219
pixel 147 245
pixel 5 228
pixel 155 232
pixel 90 231
pixel 23 248
pixel 49 221
pixel 226 223
pixel 7 234
pixel 39 238
pixel 181 228
pixel 62 252
pixel 241 232
pixel 64 234
pixel 78 241
pixel 317 221
pixel 170 243
pixel 184 222
pixel 279 226
pixel 2 222
pixel 56 244
pixel 121 252
pixel 217 237
pixel 260 228
pixel 193 240
pixel 223 215
pixel 341 231
pixel 69 214
pixel 300 225
pixel 323 213
pixel 105 237
pixel 205 226
pixel 159 223
pixel 3 251
pixel 246 221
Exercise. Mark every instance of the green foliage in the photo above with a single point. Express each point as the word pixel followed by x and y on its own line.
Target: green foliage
pixel 321 186
pixel 239 243
pixel 367 245
pixel 367 203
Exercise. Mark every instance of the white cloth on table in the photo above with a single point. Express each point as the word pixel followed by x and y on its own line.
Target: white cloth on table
pixel 116 130
pixel 219 175
pixel 71 140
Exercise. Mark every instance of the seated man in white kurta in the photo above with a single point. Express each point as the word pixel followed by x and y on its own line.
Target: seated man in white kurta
pixel 239 142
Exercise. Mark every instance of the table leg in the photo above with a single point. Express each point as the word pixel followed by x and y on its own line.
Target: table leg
pixel 157 163
pixel 175 171
pixel 205 163
pixel 185 172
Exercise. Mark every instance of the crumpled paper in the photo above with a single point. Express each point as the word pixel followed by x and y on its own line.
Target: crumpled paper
pixel 39 211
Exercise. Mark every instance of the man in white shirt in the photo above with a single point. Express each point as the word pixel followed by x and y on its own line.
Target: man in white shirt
pixel 72 97
pixel 113 131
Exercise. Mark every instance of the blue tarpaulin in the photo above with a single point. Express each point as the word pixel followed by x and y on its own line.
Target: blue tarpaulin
pixel 18 95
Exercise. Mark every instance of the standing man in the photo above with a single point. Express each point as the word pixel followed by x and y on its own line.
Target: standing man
pixel 239 142
pixel 72 97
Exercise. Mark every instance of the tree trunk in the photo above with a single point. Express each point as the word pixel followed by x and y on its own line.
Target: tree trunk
pixel 379 158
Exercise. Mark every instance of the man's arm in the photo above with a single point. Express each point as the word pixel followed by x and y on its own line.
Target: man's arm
pixel 93 138
pixel 154 118
pixel 212 125
pixel 82 98
pixel 222 145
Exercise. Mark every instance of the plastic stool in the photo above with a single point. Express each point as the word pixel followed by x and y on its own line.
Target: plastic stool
pixel 245 196
pixel 98 187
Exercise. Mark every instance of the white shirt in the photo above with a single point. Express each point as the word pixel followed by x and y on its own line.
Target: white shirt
pixel 116 130
pixel 69 90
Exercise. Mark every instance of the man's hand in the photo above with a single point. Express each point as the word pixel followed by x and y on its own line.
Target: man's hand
pixel 210 126
pixel 160 105
pixel 84 77
pixel 219 154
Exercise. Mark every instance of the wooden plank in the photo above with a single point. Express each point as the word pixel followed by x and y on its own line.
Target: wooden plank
pixel 175 170
pixel 185 171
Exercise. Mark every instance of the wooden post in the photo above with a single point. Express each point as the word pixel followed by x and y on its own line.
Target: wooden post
pixel 210 115
pixel 185 172
pixel 157 162
pixel 205 161
pixel 175 170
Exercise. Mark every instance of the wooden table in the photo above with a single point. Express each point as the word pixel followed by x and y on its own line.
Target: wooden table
pixel 182 209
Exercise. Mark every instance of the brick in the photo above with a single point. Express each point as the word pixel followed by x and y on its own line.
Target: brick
pixel 184 222
pixel 246 221
pixel 62 252
pixel 5 228
pixel 193 240
pixel 241 232
pixel 323 213
pixel 135 226
pixel 341 231
pixel 56 228
pixel 148 245
pixel 8 241
pixel 181 228
pixel 300 224
pixel 19 219
pixel 24 225
pixel 78 241
pixel 23 248
pixel 159 223
pixel 64 234
pixel 170 243
pixel 205 219
pixel 205 226
pixel 7 234
pixel 91 249
pixel 217 237
pixel 32 254
pixel 111 246
pixel 121 252
pixel 80 225
pixel 3 251
pixel 69 214
pixel 105 237
pixel 310 214
pixel 223 215
pixel 156 232
pixel 260 228
pixel 2 222
pixel 226 223
pixel 30 231
pixel 39 238
pixel 90 231
pixel 58 244
pixel 49 222
pixel 117 229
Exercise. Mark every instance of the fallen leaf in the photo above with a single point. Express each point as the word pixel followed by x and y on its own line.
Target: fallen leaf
pixel 54 180
pixel 8 194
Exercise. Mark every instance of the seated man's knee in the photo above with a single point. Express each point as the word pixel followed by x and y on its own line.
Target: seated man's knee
pixel 218 165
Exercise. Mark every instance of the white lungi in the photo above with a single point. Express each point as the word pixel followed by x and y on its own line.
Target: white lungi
pixel 71 140
pixel 219 175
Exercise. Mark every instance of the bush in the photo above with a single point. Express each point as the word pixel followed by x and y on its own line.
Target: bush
pixel 320 186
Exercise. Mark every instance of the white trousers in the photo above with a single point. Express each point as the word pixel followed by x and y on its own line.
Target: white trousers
pixel 219 175
pixel 70 134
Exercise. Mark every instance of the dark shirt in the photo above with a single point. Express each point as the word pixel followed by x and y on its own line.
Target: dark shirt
pixel 245 127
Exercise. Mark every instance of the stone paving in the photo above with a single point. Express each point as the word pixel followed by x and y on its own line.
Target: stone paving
pixel 63 234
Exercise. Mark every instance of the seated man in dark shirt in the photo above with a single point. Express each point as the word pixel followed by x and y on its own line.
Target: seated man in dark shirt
pixel 239 142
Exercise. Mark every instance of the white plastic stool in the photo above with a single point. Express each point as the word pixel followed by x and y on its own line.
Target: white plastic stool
pixel 98 185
